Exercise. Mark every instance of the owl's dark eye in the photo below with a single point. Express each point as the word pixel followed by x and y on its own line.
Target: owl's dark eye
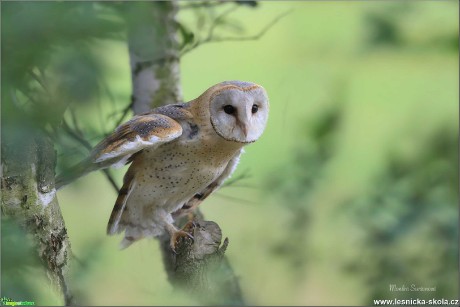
pixel 229 109
pixel 255 108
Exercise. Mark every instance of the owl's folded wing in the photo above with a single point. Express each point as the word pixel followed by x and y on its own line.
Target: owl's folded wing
pixel 147 130
pixel 142 131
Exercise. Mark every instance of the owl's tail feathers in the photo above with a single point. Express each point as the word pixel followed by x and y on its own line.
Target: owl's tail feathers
pixel 127 241
pixel 118 220
pixel 114 227
pixel 84 167
pixel 132 234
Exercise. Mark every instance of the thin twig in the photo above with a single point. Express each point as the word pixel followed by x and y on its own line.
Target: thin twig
pixel 217 20
pixel 88 146
pixel 213 26
pixel 245 186
pixel 14 97
pixel 208 4
pixel 102 119
pixel 252 37
pixel 75 122
pixel 16 101
pixel 79 261
pixel 205 4
pixel 40 81
pixel 242 176
pixel 76 135
pixel 211 39
pixel 125 112
pixel 111 180
pixel 234 198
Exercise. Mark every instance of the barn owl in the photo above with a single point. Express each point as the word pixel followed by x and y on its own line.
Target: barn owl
pixel 179 155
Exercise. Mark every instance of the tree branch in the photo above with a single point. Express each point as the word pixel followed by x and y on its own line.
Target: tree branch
pixel 76 135
pixel 208 4
pixel 124 112
pixel 200 267
pixel 154 56
pixel 212 39
pixel 205 4
pixel 29 197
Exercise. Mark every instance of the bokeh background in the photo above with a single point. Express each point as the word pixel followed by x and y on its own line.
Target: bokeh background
pixel 352 188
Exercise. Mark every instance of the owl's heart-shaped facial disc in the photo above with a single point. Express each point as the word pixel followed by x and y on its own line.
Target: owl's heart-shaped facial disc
pixel 239 111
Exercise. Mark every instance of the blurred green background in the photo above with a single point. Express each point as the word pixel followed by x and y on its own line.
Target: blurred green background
pixel 353 186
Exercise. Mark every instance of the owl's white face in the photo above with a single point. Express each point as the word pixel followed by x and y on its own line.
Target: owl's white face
pixel 239 112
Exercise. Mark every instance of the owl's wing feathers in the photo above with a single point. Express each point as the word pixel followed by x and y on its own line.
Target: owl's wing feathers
pixel 140 132
pixel 146 130
pixel 198 198
pixel 120 203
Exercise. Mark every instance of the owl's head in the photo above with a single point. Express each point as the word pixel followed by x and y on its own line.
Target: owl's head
pixel 239 110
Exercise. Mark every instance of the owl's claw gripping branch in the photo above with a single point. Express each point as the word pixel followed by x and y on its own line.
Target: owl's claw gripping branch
pixel 190 225
pixel 176 234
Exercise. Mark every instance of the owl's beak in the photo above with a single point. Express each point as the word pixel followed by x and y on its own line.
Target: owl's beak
pixel 244 128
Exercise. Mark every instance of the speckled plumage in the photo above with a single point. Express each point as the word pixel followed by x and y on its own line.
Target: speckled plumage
pixel 180 154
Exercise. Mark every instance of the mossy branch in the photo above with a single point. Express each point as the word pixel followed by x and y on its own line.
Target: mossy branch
pixel 29 199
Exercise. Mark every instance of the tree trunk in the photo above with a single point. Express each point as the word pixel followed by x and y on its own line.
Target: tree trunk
pixel 199 267
pixel 154 55
pixel 29 197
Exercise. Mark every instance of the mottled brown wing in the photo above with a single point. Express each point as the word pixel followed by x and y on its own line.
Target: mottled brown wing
pixel 148 130
pixel 120 203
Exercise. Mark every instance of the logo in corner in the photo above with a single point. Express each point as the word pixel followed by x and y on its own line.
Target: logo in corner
pixel 6 301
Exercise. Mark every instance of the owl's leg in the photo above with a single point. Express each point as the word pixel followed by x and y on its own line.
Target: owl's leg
pixel 190 225
pixel 176 234
pixel 191 218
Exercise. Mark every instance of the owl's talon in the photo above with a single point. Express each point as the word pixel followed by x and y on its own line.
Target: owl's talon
pixel 190 218
pixel 190 225
pixel 175 237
